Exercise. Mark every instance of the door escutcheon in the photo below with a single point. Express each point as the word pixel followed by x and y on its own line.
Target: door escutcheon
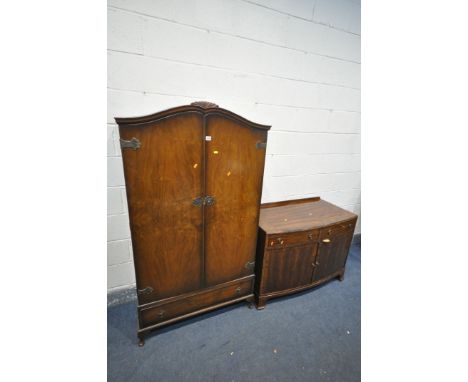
pixel 197 201
pixel 210 200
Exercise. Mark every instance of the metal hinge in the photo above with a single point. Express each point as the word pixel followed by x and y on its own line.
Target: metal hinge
pixel 249 265
pixel 131 144
pixel 260 145
pixel 147 290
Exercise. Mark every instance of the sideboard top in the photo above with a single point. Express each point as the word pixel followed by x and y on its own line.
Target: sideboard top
pixel 300 215
pixel 200 107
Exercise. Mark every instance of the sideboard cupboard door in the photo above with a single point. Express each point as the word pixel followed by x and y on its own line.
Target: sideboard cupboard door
pixel 332 252
pixel 163 177
pixel 299 262
pixel 234 172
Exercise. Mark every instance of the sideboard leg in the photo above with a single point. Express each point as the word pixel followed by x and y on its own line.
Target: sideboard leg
pixel 141 340
pixel 250 302
pixel 341 276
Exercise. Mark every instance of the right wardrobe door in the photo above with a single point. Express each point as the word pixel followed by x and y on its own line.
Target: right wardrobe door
pixel 234 161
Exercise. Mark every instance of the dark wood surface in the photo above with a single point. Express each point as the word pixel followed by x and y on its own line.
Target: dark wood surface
pixel 162 178
pixel 332 255
pixel 288 268
pixel 302 243
pixel 301 215
pixel 189 257
pixel 234 173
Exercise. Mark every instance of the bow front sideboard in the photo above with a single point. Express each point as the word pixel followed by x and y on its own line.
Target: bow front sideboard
pixel 301 244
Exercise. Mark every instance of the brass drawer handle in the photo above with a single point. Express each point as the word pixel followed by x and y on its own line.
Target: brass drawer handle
pixel 280 241
pixel 238 290
pixel 161 314
pixel 326 240
pixel 310 236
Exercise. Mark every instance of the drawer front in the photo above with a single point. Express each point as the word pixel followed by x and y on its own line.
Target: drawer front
pixel 292 239
pixel 164 312
pixel 327 232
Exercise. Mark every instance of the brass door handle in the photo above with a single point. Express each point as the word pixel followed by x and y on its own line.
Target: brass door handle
pixel 326 240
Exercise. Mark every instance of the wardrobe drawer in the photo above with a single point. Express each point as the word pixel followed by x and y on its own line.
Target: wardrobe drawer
pixel 336 229
pixel 201 300
pixel 291 239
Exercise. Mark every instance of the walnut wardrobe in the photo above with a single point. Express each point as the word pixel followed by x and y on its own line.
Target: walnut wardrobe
pixel 193 177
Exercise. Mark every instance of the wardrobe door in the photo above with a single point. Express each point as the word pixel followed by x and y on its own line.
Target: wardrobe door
pixel 163 177
pixel 233 186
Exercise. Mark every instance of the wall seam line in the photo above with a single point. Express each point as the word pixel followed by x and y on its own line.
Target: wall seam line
pixel 232 35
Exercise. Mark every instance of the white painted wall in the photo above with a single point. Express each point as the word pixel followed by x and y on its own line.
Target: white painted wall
pixel 293 64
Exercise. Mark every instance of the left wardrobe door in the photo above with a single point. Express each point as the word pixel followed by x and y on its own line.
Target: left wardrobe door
pixel 163 178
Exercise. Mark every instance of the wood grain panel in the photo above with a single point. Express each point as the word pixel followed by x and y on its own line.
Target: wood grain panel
pixel 300 215
pixel 289 268
pixel 162 178
pixel 234 173
pixel 331 256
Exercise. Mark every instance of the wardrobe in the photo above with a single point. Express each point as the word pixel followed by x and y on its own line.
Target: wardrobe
pixel 193 178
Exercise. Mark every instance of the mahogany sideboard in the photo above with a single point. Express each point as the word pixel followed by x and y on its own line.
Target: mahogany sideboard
pixel 301 244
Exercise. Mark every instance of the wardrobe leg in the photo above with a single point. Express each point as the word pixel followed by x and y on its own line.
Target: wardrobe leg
pixel 261 302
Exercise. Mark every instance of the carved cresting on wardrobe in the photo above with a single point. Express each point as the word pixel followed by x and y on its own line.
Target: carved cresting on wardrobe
pixel 193 176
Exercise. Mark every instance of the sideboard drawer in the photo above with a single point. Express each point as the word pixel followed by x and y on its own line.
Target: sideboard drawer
pixel 292 239
pixel 336 229
pixel 165 312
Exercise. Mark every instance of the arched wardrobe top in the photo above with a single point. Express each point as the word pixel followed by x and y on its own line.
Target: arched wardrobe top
pixel 203 108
